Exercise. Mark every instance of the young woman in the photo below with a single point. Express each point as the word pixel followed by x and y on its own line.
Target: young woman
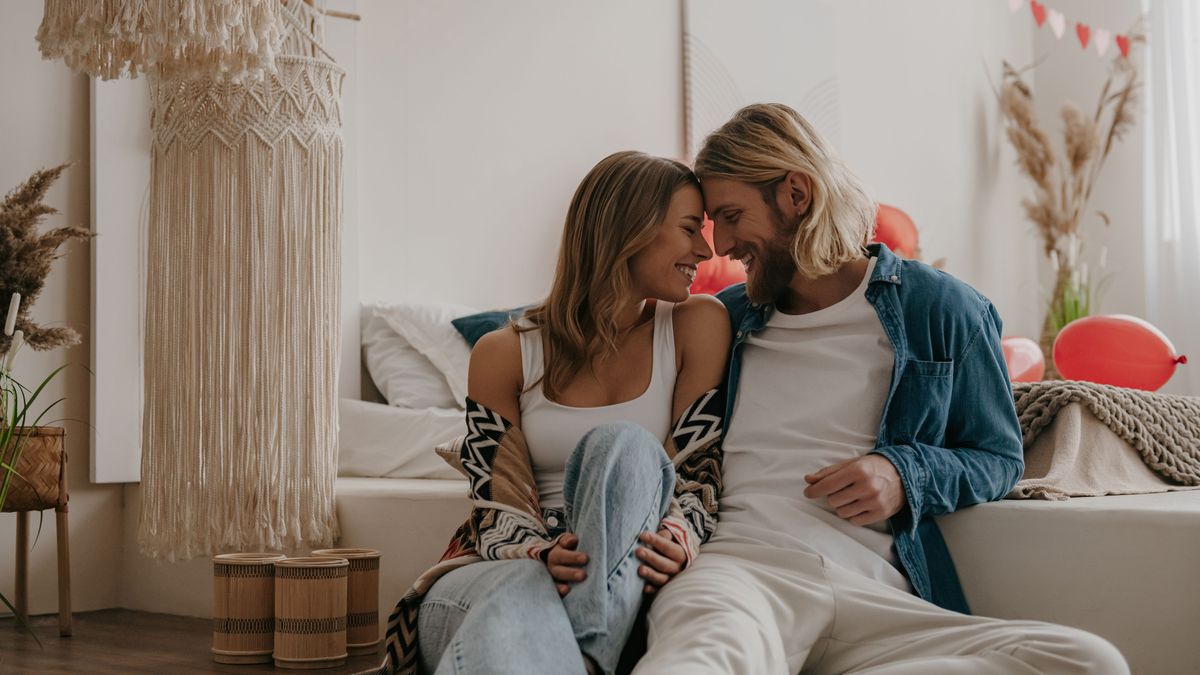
pixel 592 445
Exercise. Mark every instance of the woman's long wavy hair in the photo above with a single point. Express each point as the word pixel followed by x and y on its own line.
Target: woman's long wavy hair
pixel 616 212
pixel 760 145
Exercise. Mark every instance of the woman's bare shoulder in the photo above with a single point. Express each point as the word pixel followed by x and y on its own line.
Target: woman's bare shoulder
pixel 701 317
pixel 494 378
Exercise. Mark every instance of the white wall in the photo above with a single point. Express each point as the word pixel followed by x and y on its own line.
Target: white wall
pixel 44 122
pixel 921 127
pixel 479 120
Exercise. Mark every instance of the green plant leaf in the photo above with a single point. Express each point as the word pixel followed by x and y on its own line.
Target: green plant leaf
pixel 38 535
pixel 22 622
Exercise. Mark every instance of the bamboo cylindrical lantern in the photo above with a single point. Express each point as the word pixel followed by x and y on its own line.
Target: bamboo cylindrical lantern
pixel 310 612
pixel 243 607
pixel 362 598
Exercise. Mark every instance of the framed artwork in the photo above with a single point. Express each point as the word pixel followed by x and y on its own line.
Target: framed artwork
pixel 120 157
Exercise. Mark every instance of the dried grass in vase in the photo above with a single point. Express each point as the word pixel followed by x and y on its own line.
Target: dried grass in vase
pixel 26 255
pixel 1065 175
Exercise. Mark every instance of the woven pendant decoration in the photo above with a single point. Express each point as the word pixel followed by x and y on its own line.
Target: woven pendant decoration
pixel 222 39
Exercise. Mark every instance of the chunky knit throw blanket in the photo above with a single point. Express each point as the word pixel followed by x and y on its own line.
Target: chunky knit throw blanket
pixel 1164 429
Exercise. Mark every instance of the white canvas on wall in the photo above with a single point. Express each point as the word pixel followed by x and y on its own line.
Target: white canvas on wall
pixel 120 156
pixel 734 54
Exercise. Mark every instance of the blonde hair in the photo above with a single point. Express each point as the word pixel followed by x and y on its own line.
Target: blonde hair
pixel 615 213
pixel 765 141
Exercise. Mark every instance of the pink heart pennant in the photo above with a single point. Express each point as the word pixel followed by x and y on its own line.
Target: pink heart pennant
pixel 1014 5
pixel 1039 12
pixel 1082 30
pixel 1101 41
pixel 1123 45
pixel 1057 23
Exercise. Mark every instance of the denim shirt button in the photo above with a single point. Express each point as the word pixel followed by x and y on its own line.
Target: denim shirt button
pixel 895 278
pixel 552 521
pixel 739 334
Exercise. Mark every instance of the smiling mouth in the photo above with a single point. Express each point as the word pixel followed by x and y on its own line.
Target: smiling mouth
pixel 747 261
pixel 687 271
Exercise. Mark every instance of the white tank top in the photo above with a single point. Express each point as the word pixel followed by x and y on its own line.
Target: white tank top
pixel 552 430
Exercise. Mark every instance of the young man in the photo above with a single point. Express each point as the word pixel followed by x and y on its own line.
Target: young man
pixel 866 395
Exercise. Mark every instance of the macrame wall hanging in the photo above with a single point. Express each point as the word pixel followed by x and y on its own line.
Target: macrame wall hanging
pixel 243 290
pixel 244 263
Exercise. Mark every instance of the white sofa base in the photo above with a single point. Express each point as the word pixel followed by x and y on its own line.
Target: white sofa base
pixel 1124 567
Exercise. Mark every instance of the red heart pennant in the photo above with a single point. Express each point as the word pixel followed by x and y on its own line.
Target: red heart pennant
pixel 1082 30
pixel 1039 12
pixel 1123 45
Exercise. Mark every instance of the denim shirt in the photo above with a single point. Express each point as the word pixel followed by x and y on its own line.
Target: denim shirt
pixel 949 424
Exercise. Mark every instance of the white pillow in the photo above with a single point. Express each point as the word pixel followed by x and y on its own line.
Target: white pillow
pixel 427 328
pixel 404 377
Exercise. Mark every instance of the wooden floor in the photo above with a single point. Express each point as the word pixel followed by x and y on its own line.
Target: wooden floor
pixel 124 641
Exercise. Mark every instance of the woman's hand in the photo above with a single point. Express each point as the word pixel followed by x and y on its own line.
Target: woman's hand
pixel 662 558
pixel 565 563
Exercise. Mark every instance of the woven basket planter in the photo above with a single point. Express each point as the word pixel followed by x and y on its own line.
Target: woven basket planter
pixel 39 470
pixel 310 612
pixel 362 598
pixel 244 607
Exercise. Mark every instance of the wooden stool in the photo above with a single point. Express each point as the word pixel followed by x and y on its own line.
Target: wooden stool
pixel 41 484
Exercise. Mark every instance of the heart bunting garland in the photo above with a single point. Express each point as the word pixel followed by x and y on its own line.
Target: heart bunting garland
pixel 1039 12
pixel 1098 38
pixel 1083 32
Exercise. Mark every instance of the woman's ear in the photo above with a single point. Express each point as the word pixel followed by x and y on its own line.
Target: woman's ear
pixel 794 194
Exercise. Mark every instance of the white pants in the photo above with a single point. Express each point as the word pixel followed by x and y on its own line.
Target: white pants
pixel 766 611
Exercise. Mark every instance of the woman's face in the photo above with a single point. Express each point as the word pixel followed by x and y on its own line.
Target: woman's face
pixel 666 267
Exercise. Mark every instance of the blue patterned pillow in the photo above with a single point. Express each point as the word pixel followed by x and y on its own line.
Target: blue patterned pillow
pixel 474 326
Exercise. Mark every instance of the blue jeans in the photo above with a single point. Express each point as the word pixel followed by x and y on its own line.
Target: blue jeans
pixel 505 616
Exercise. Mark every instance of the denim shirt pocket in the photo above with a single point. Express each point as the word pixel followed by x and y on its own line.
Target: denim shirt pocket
pixel 922 401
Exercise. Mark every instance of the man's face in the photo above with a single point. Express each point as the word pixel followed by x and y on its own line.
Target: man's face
pixel 748 229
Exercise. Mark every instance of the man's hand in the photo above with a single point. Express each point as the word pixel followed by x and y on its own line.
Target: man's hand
pixel 863 490
pixel 662 558
pixel 566 564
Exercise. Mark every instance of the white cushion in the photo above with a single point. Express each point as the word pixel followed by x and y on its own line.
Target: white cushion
pixel 427 328
pixel 376 440
pixel 405 377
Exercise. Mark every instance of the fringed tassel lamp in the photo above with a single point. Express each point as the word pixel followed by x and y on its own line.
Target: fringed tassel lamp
pixel 242 300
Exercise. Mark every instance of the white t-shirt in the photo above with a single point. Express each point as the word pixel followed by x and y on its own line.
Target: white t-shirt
pixel 811 394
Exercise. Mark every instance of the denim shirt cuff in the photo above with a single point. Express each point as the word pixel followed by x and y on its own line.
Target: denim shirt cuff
pixel 912 478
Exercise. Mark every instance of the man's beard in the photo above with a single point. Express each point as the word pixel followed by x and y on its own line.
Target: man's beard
pixel 773 267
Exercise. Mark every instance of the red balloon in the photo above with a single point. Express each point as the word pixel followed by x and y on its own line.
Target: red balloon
pixel 716 273
pixel 1025 360
pixel 1116 349
pixel 894 228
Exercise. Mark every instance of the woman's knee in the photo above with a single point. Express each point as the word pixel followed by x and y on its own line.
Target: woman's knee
pixel 618 443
